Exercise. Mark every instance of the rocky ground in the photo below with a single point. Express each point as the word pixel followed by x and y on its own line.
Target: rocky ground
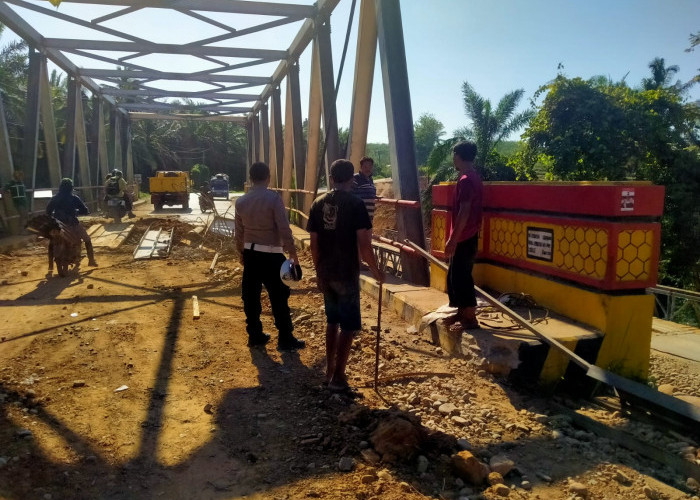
pixel 109 388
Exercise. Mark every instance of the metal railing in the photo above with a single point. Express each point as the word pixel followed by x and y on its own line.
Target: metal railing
pixel 667 300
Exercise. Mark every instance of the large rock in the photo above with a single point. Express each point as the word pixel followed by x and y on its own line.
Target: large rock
pixel 397 436
pixel 501 464
pixel 470 468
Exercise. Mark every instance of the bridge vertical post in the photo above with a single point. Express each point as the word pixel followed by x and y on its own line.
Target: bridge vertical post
pixel 6 163
pixel 69 147
pixel 49 124
pixel 265 134
pixel 297 131
pixel 288 159
pixel 116 129
pixel 94 135
pixel 129 154
pixel 365 57
pixel 314 129
pixel 256 137
pixel 249 152
pixel 330 117
pixel 397 98
pixel 102 150
pixel 31 124
pixel 81 145
pixel 277 140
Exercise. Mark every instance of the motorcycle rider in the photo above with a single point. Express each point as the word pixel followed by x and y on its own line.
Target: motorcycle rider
pixel 116 188
pixel 64 206
pixel 207 199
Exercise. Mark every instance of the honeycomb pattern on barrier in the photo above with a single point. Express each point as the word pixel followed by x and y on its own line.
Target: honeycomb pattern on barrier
pixel 634 255
pixel 582 250
pixel 508 238
pixel 577 249
pixel 439 231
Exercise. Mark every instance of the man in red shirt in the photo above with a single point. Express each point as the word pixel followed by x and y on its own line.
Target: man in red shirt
pixel 461 246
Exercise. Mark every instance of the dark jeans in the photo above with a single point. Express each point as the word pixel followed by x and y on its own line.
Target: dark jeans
pixel 460 284
pixel 261 268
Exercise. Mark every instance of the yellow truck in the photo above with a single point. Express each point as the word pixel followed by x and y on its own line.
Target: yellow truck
pixel 170 188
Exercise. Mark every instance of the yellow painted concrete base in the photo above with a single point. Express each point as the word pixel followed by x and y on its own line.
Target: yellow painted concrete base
pixel 625 320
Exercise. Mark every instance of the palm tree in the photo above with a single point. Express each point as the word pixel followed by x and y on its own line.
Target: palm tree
pixel 488 128
pixel 661 75
pixel 13 85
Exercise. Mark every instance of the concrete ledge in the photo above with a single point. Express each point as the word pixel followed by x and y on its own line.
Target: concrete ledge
pixel 515 353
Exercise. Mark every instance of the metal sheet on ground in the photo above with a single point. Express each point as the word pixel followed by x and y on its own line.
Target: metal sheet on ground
pixel 154 243
pixel 109 235
pixel 686 345
pixel 222 227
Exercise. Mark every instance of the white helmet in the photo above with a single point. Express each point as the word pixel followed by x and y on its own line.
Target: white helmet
pixel 290 274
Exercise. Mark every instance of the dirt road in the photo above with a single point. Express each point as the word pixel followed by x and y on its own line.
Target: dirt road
pixel 110 389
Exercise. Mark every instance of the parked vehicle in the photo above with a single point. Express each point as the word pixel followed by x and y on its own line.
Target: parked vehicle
pixel 219 186
pixel 170 188
pixel 64 242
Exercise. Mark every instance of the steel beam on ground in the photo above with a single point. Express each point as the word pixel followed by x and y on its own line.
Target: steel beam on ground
pixel 365 57
pixel 314 129
pixel 53 156
pixel 278 139
pixel 397 98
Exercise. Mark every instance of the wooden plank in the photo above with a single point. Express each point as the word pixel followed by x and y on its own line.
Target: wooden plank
pixel 213 262
pixel 195 307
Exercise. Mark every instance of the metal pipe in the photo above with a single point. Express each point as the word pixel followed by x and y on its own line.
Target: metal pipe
pixel 509 312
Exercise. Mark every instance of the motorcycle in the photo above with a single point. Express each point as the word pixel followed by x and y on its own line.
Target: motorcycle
pixel 206 202
pixel 117 208
pixel 64 242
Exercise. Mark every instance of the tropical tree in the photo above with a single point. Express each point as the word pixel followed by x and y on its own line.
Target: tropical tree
pixel 13 86
pixel 488 129
pixel 427 131
pixel 661 75
pixel 591 130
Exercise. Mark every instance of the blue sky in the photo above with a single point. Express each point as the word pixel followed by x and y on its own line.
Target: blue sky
pixel 498 46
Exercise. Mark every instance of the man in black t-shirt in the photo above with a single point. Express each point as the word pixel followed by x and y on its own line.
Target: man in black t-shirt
pixel 340 227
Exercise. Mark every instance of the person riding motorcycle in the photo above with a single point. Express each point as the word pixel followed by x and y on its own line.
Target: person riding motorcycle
pixel 116 188
pixel 64 206
pixel 206 198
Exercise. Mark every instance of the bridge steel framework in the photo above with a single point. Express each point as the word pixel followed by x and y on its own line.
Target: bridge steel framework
pixel 100 65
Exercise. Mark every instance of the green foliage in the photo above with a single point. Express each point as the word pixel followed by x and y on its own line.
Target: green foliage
pixel 427 131
pixel 602 130
pixel 379 152
pixel 200 174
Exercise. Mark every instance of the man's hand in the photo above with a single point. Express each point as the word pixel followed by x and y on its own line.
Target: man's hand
pixel 450 247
